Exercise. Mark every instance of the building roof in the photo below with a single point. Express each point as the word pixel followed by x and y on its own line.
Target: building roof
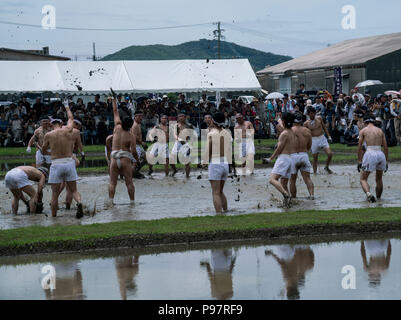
pixel 350 52
pixel 31 53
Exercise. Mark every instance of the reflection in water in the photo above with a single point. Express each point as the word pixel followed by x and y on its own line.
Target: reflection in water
pixel 220 273
pixel 118 276
pixel 68 283
pixel 378 252
pixel 294 261
pixel 127 268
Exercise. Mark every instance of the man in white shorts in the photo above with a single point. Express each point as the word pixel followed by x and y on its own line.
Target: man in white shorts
pixel 247 145
pixel 300 157
pixel 63 165
pixel 181 145
pixel 319 142
pixel 37 139
pixel 18 180
pixel 217 154
pixel 284 165
pixel 160 148
pixel 374 159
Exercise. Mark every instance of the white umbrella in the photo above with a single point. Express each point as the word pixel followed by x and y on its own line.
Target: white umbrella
pixel 275 95
pixel 368 83
pixel 392 93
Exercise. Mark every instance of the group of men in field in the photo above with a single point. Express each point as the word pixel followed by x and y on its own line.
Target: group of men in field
pixel 297 136
pixel 56 161
pixel 56 164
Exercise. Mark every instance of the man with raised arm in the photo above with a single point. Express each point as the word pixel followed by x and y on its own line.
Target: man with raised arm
pixel 123 153
pixel 76 147
pixel 374 159
pixel 284 165
pixel 63 168
pixel 316 125
pixel 37 140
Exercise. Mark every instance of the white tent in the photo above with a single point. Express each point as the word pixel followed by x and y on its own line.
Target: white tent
pixel 128 76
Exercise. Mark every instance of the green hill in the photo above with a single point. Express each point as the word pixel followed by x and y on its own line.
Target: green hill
pixel 201 49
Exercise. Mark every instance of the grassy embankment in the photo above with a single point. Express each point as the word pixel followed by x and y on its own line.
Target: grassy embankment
pixel 192 226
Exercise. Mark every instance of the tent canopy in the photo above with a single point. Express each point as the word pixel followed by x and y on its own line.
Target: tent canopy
pixel 159 76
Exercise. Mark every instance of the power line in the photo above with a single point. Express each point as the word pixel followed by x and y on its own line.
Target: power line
pixel 271 36
pixel 104 29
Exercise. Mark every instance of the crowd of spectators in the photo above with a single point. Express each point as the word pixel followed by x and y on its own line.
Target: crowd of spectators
pixel 19 121
pixel 343 116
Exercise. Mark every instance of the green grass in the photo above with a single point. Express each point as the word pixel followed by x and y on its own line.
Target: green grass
pixel 35 234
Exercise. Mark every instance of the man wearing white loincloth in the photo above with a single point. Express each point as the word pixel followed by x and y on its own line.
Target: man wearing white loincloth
pixel 160 148
pixel 300 158
pixel 140 145
pixel 284 165
pixel 319 142
pixel 181 145
pixel 37 139
pixel 63 165
pixel 217 154
pixel 123 154
pixel 18 180
pixel 247 145
pixel 374 159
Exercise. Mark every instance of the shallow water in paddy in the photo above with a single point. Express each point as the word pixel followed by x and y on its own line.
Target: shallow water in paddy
pixel 160 197
pixel 247 270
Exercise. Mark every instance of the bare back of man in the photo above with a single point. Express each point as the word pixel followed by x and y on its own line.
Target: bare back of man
pixel 18 181
pixel 374 159
pixel 300 158
pixel 287 144
pixel 76 147
pixel 123 154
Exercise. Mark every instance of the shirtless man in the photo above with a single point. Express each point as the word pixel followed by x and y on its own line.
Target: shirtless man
pixel 374 159
pixel 284 165
pixel 300 158
pixel 18 180
pixel 316 126
pixel 63 165
pixel 123 153
pixel 37 140
pixel 247 146
pixel 217 154
pixel 180 144
pixel 76 147
pixel 161 147
pixel 140 145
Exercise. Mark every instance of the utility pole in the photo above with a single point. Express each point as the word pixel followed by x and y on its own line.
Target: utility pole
pixel 94 52
pixel 218 35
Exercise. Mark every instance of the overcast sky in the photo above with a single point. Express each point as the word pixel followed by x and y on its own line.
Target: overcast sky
pixel 284 27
